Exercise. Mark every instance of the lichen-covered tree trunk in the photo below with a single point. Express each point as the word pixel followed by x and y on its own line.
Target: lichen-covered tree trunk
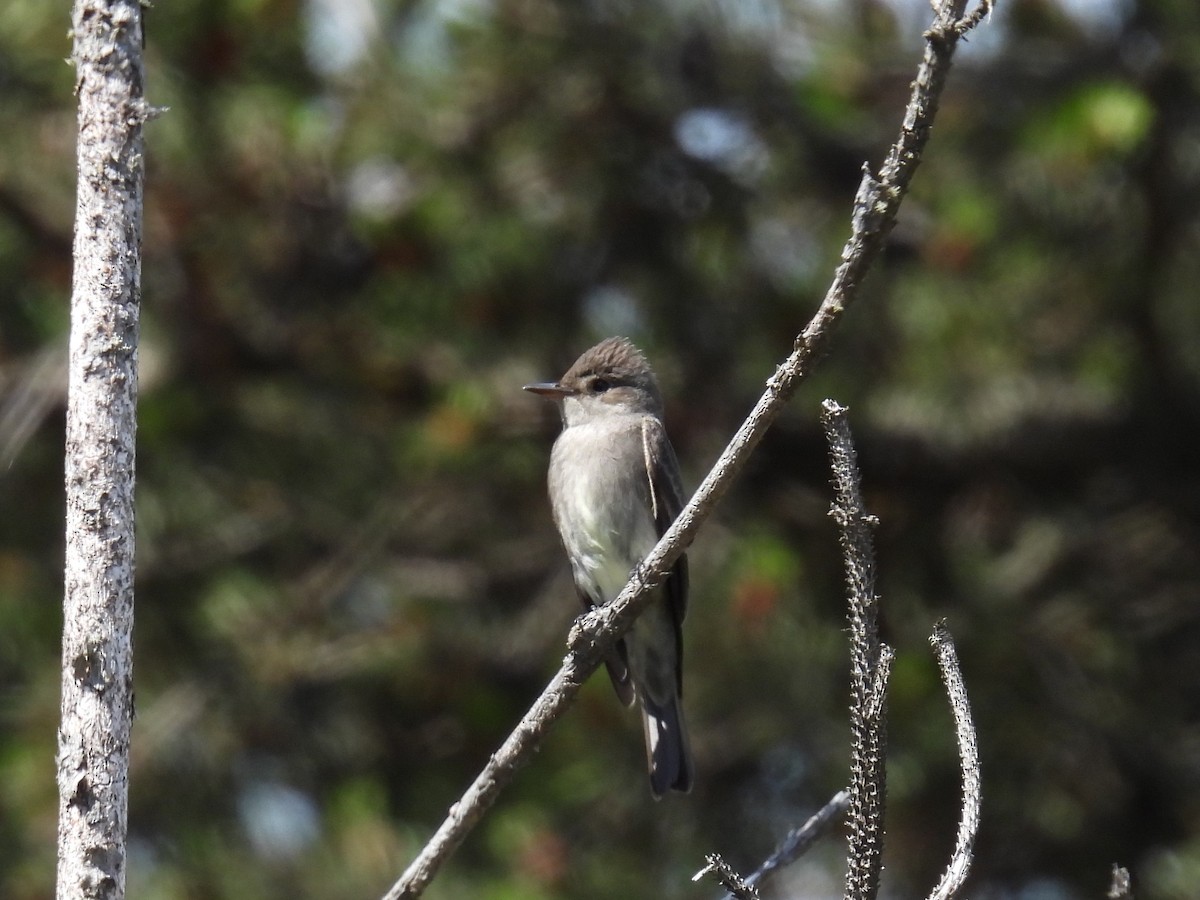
pixel 97 687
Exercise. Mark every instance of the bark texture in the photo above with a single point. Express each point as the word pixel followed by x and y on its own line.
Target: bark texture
pixel 97 687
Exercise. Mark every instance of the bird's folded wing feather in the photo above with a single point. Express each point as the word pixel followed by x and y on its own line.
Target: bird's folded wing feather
pixel 666 501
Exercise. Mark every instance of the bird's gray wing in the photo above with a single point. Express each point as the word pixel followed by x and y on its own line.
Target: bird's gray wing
pixel 666 501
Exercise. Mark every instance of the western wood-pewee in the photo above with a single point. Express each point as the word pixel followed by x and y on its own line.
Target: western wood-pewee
pixel 614 489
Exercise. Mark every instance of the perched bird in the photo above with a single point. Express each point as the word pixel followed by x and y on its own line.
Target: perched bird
pixel 615 488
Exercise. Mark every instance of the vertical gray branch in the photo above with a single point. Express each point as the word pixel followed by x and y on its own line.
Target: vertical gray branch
pixel 97 691
pixel 869 663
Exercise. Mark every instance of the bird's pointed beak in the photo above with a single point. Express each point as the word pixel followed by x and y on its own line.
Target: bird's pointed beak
pixel 551 389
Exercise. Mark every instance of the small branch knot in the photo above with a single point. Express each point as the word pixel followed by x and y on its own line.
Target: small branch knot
pixel 1122 885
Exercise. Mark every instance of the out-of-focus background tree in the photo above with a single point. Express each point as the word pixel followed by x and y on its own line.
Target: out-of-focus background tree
pixel 369 222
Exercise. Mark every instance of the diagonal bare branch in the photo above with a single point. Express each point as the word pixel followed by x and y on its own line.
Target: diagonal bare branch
pixel 874 215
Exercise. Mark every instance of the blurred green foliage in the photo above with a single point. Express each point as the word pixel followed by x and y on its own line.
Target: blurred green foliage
pixel 367 224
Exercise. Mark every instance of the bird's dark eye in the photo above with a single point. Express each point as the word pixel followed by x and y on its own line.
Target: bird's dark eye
pixel 600 385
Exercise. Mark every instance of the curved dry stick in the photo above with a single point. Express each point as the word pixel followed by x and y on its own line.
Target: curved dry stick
pixel 875 206
pixel 968 753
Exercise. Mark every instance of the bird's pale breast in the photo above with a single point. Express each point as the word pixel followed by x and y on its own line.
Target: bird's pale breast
pixel 601 502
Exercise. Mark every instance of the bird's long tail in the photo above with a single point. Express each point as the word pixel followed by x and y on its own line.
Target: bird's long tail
pixel 667 752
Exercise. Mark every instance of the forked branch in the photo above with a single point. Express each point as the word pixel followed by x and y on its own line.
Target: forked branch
pixel 870 663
